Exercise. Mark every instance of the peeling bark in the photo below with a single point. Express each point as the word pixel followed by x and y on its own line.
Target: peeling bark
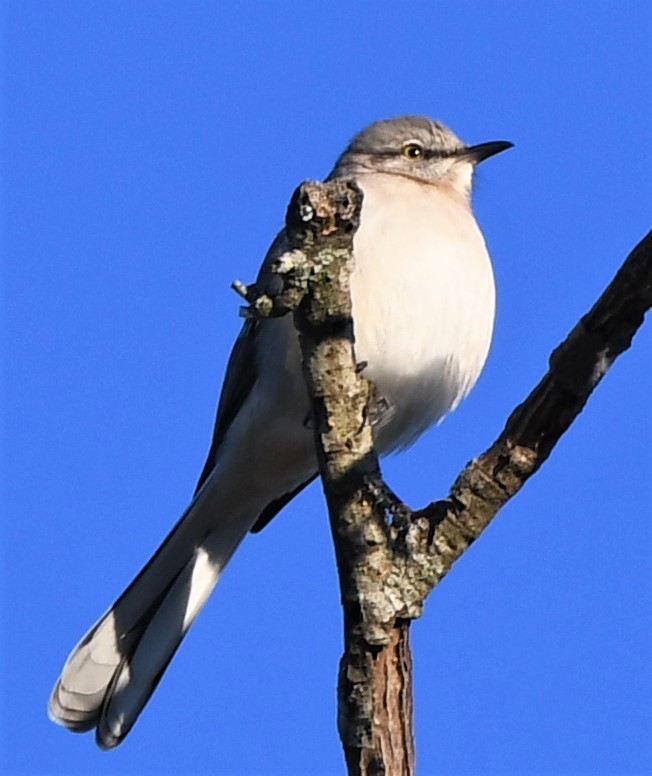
pixel 379 684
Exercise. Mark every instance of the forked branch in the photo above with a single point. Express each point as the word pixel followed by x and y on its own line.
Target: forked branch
pixel 389 557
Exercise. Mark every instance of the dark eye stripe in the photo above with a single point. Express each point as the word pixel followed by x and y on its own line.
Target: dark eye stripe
pixel 426 153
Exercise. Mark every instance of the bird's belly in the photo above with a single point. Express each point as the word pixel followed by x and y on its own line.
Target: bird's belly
pixel 423 306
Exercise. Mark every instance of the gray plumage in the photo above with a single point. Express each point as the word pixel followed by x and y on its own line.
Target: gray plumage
pixel 423 306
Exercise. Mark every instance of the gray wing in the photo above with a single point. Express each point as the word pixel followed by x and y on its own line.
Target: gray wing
pixel 239 380
pixel 241 375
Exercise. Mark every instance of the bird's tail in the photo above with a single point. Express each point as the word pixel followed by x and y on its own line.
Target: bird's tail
pixel 114 669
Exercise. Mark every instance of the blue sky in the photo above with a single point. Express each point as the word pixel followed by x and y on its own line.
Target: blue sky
pixel 150 152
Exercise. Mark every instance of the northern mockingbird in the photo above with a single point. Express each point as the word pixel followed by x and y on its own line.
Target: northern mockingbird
pixel 423 297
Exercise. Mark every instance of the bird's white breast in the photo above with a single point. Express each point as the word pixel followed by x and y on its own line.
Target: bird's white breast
pixel 423 301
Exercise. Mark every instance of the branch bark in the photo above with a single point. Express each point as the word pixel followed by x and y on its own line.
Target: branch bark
pixel 389 558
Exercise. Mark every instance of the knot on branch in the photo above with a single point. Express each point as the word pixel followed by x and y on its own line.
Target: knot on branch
pixel 321 212
pixel 321 220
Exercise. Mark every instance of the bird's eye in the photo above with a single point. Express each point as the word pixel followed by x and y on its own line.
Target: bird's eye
pixel 412 151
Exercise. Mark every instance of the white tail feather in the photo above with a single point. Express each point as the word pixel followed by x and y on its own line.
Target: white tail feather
pixel 138 674
pixel 114 669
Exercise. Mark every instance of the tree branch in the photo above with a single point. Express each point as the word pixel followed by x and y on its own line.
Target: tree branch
pixel 389 558
pixel 535 426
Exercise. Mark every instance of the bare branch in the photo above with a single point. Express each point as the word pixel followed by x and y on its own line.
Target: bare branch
pixel 390 558
pixel 535 427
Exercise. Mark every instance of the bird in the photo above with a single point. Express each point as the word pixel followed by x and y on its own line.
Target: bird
pixel 423 305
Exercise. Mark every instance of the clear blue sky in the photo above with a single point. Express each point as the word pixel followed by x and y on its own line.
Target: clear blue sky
pixel 150 151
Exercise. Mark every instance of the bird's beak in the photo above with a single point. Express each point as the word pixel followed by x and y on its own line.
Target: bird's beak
pixel 478 153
